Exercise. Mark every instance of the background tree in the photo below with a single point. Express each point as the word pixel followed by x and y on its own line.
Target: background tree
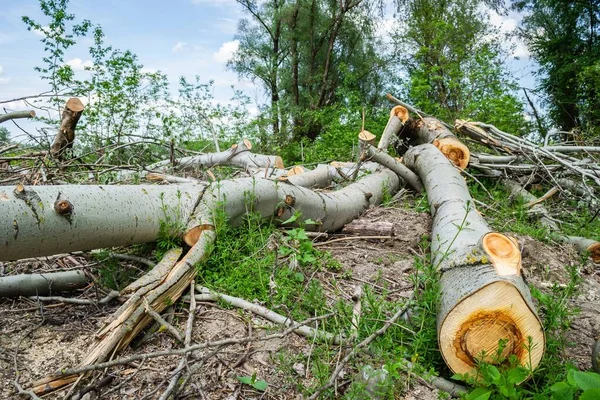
pixel 303 52
pixel 4 135
pixel 454 63
pixel 562 37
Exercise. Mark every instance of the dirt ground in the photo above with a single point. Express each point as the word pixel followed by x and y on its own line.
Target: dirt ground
pixel 36 340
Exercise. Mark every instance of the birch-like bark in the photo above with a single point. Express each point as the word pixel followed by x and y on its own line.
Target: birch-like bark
pixel 400 169
pixel 239 155
pixel 398 117
pixel 101 216
pixel 432 130
pixel 17 115
pixel 482 301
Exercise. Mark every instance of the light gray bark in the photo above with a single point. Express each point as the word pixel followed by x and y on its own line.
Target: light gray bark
pixel 17 115
pixel 270 199
pixel 238 155
pixel 573 149
pixel 400 169
pixel 42 284
pixel 457 233
pixel 102 216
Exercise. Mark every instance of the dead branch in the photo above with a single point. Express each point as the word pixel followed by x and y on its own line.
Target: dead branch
pixel 16 115
pixel 359 347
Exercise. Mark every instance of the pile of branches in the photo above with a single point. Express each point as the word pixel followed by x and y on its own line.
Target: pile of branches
pixel 571 170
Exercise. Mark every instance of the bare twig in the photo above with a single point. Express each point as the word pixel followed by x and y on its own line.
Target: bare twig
pixel 156 316
pixel 359 346
pixel 185 350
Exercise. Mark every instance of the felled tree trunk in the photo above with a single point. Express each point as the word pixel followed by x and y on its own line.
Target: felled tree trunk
pixel 66 133
pixel 431 130
pixel 239 155
pixel 103 216
pixel 46 220
pixel 398 117
pixel 484 298
pixel 42 284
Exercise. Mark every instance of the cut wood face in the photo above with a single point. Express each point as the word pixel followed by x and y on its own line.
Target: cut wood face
pixel 473 329
pixel 454 150
pixel 400 112
pixel 504 253
pixel 594 250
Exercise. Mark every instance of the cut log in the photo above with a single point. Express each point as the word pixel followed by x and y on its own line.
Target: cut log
pixel 320 177
pixel 368 228
pixel 42 284
pixel 66 132
pixel 102 216
pixel 484 298
pixel 431 130
pixel 398 117
pixel 366 137
pixel 585 245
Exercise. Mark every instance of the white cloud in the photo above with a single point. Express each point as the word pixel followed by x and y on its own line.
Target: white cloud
pixel 520 50
pixel 1 69
pixel 179 46
pixel 505 23
pixel 226 51
pixel 77 64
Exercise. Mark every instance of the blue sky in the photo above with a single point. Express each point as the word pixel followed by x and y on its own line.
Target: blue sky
pixel 180 37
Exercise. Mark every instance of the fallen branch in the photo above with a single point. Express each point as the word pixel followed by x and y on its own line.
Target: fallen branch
pixel 17 115
pixel 583 245
pixel 307 331
pixel 187 343
pixel 200 346
pixel 42 284
pixel 389 162
pixel 113 294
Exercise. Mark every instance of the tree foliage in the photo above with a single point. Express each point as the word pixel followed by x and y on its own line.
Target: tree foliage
pixel 562 37
pixel 306 54
pixel 454 63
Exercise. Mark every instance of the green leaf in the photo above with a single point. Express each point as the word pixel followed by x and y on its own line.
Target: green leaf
pixel 517 375
pixel 586 380
pixel 260 385
pixel 493 373
pixel 562 391
pixel 299 276
pixel 479 394
pixel 291 219
pixel 245 379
